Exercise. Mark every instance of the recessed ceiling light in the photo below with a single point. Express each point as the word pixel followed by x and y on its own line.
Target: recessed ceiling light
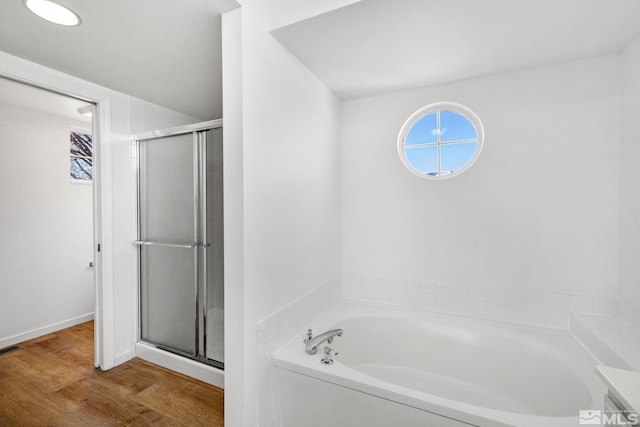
pixel 53 12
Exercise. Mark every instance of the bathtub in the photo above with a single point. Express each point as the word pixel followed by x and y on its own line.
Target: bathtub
pixel 404 368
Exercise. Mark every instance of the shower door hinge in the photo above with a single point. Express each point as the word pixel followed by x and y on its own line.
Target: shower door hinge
pixel 98 247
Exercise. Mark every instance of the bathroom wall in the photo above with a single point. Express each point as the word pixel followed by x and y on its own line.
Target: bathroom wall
pixel 287 12
pixel 232 159
pixel 129 116
pixel 125 116
pixel 527 234
pixel 630 186
pixel 46 224
pixel 291 201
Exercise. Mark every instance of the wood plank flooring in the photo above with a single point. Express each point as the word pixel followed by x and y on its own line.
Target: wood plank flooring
pixel 50 381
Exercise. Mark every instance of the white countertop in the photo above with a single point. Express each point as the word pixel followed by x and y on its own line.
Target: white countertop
pixel 624 384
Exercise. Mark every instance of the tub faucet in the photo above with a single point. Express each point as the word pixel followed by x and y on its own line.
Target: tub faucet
pixel 312 343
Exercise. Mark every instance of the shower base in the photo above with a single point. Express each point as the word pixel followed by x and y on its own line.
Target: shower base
pixel 191 368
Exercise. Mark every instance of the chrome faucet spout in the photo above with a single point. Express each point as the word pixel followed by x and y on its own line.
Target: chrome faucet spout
pixel 311 346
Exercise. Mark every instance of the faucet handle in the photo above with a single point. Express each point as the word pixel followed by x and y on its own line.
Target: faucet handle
pixel 309 336
pixel 327 360
pixel 329 350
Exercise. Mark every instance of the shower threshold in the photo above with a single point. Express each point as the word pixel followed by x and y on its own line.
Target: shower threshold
pixel 210 362
pixel 185 364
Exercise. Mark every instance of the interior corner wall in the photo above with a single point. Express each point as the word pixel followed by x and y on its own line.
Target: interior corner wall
pixel 287 12
pixel 630 186
pixel 234 296
pixel 46 224
pixel 127 116
pixel 536 217
pixel 291 187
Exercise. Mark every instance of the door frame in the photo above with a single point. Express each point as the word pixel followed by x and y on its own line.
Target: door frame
pixel 22 71
pixel 199 165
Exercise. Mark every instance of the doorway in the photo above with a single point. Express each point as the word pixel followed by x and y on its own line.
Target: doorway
pixel 47 277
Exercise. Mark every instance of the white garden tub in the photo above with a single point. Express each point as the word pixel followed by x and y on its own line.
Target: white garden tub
pixel 405 368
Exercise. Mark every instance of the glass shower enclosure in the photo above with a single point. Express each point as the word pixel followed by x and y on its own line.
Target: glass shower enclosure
pixel 180 241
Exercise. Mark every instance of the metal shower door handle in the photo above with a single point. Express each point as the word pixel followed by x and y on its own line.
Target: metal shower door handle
pixel 170 245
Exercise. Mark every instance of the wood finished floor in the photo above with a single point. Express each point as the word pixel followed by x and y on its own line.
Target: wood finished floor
pixel 50 381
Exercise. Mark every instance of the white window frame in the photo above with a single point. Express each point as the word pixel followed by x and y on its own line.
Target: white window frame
pixel 437 107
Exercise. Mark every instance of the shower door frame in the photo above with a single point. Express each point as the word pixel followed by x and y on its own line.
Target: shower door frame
pixel 200 234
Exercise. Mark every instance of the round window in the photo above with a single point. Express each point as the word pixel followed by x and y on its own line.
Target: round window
pixel 440 140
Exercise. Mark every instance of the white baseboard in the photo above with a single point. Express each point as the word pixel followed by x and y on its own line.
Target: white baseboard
pixel 183 365
pixel 34 333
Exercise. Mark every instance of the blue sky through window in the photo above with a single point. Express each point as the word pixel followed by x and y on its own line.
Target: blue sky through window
pixel 423 159
pixel 434 150
pixel 456 156
pixel 455 127
pixel 424 131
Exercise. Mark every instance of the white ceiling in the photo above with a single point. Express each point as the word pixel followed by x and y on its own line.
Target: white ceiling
pixel 377 46
pixel 167 52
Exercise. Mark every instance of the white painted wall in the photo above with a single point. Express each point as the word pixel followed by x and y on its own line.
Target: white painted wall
pixel 530 231
pixel 291 175
pixel 234 297
pixel 286 12
pixel 630 186
pixel 46 224
pixel 121 115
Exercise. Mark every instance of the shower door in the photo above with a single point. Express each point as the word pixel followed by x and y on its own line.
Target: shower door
pixel 180 243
